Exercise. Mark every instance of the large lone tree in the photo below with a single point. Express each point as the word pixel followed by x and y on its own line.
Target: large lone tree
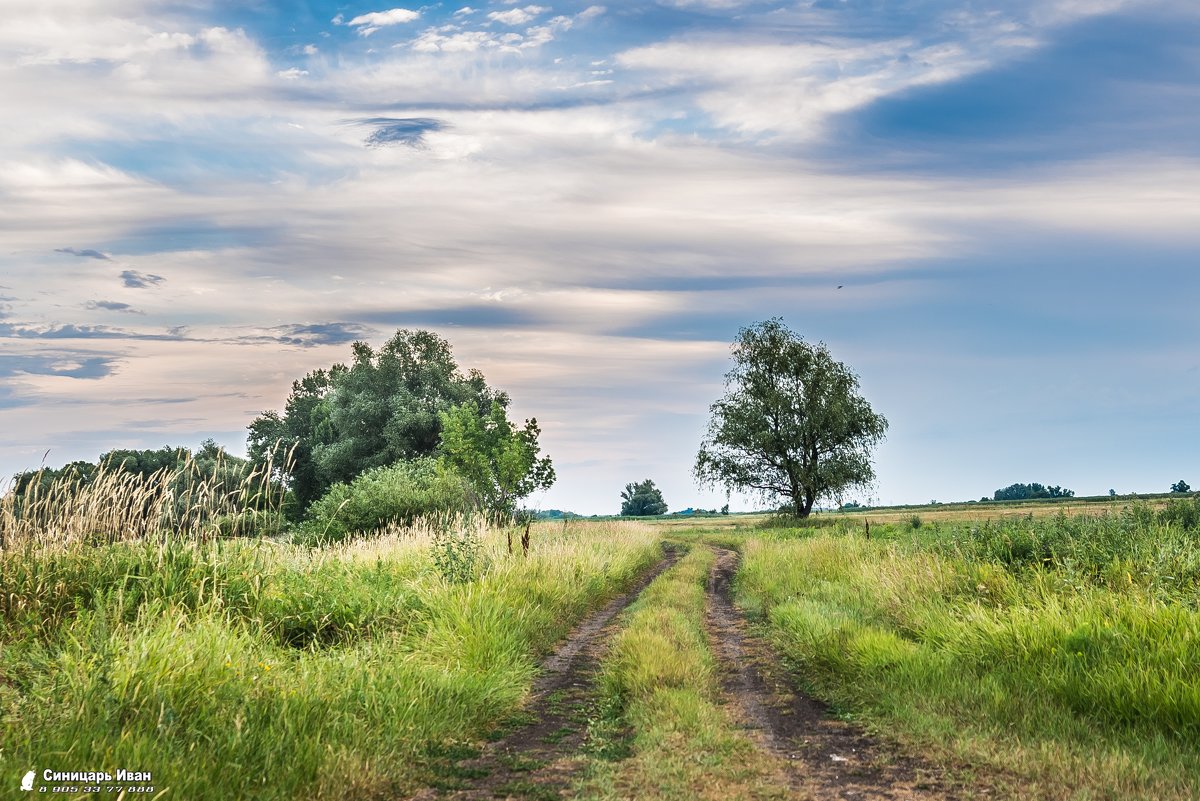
pixel 791 424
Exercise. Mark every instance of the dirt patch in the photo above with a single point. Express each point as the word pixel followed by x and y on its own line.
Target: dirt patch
pixel 538 760
pixel 827 758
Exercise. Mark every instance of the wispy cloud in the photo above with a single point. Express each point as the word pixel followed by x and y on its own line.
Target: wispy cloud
pixel 517 16
pixel 86 253
pixel 136 280
pixel 404 131
pixel 111 305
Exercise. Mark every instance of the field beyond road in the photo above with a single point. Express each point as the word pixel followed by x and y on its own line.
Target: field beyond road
pixel 1052 657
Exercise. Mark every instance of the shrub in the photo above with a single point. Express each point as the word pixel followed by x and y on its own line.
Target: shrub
pixel 398 494
pixel 458 553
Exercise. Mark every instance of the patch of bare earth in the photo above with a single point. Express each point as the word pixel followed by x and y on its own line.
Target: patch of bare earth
pixel 539 760
pixel 825 758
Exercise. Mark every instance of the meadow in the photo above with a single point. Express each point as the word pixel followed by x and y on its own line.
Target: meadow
pixel 1062 653
pixel 1053 656
pixel 253 669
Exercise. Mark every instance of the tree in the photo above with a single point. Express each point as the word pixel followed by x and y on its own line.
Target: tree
pixel 498 459
pixel 791 425
pixel 1180 486
pixel 1023 492
pixel 641 499
pixel 384 408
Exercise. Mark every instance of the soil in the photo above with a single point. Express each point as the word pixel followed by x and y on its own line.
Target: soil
pixel 827 758
pixel 539 759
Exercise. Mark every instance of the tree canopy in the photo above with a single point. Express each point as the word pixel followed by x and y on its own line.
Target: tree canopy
pixel 384 407
pixel 499 459
pixel 791 424
pixel 642 498
pixel 1181 486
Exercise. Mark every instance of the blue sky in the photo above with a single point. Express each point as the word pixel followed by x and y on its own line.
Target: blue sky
pixel 201 201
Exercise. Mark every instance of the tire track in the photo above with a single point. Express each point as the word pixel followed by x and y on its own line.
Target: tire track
pixel 827 758
pixel 539 759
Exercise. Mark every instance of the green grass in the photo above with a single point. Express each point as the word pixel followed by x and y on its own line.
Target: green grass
pixel 254 670
pixel 661 733
pixel 1064 652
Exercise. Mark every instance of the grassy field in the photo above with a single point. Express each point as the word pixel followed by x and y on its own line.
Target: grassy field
pixel 1052 655
pixel 244 669
pixel 1062 652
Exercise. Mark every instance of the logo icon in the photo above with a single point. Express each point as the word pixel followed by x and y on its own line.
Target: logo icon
pixel 27 782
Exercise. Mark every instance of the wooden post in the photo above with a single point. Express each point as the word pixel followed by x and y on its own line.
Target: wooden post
pixel 867 524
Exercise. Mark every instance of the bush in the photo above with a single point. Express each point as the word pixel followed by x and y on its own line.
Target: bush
pixel 458 553
pixel 398 494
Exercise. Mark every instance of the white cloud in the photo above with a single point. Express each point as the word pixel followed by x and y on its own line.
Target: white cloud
pixel 367 24
pixel 517 16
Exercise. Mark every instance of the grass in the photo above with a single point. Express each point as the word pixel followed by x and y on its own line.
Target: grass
pixel 249 669
pixel 661 733
pixel 1061 651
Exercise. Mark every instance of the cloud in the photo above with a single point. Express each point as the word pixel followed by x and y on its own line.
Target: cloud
pixel 72 331
pixel 367 24
pixel 136 280
pixel 86 253
pixel 517 16
pixel 68 364
pixel 404 131
pixel 310 335
pixel 111 305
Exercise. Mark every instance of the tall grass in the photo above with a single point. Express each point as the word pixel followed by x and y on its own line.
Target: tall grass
pixel 253 669
pixel 115 505
pixel 1066 649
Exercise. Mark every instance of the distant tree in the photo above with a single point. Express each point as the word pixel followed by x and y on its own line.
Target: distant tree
pixel 1112 493
pixel 1180 486
pixel 498 459
pixel 641 499
pixel 725 509
pixel 385 407
pixel 1022 492
pixel 791 425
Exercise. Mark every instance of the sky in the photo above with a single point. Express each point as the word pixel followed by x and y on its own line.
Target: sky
pixel 203 200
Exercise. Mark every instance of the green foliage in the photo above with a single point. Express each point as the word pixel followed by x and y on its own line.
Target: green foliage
pixel 1181 486
pixel 396 494
pixel 498 459
pixel 385 407
pixel 642 499
pixel 458 553
pixel 791 424
pixel 1022 492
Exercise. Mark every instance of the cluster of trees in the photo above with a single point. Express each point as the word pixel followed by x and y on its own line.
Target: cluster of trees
pixel 398 433
pixel 1022 492
pixel 210 464
pixel 1181 486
